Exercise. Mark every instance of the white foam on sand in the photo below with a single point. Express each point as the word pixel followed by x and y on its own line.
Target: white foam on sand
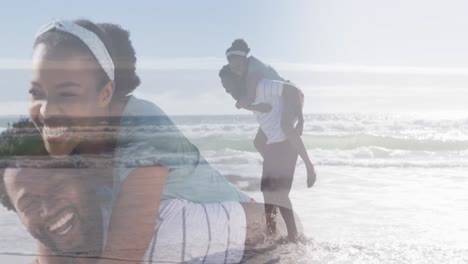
pixel 376 215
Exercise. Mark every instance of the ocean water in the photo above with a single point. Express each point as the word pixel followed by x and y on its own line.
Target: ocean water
pixel 391 188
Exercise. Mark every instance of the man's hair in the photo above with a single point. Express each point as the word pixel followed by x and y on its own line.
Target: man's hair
pixel 118 44
pixel 21 146
pixel 20 139
pixel 226 74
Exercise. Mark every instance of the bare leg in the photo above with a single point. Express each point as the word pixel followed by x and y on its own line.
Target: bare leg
pixel 279 200
pixel 260 142
pixel 271 212
pixel 278 173
pixel 288 216
pixel 256 224
pixel 293 110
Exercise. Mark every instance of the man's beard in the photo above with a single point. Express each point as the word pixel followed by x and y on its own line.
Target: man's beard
pixel 90 247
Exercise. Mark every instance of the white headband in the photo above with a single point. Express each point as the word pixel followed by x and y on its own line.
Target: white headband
pixel 90 39
pixel 236 52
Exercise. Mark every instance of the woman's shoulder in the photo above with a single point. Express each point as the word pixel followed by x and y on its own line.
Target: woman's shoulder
pixel 258 67
pixel 142 122
pixel 255 64
pixel 140 112
pixel 140 107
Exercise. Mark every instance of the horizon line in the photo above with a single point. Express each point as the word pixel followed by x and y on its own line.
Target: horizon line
pixel 215 63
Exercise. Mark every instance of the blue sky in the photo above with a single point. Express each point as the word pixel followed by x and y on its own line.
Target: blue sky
pixel 377 32
pixel 169 28
pixel 187 40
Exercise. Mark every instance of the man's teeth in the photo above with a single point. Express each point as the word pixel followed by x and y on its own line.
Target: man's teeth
pixel 64 232
pixel 54 132
pixel 61 222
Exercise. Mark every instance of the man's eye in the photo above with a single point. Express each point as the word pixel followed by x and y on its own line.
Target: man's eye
pixel 29 207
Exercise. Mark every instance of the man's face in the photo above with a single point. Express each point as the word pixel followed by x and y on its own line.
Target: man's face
pixel 231 84
pixel 57 208
pixel 237 64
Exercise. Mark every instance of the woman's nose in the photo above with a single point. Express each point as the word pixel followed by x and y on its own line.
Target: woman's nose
pixel 48 110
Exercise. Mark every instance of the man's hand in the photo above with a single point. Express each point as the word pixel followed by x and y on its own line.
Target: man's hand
pixel 242 103
pixel 261 107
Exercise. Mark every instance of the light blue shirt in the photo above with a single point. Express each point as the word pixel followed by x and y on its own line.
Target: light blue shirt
pixel 266 71
pixel 148 137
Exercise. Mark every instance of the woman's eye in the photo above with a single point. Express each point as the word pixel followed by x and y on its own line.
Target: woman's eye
pixel 36 94
pixel 67 95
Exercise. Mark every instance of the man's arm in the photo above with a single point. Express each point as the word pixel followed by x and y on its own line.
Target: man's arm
pixel 262 107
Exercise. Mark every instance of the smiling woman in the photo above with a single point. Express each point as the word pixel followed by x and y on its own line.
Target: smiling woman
pixel 81 79
pixel 64 98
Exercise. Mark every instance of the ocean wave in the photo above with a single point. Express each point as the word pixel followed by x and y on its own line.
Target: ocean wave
pixel 407 126
pixel 388 142
pixel 367 157
pixel 324 131
pixel 245 142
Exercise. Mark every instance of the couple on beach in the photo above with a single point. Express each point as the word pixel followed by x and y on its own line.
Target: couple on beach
pixel 90 187
pixel 277 106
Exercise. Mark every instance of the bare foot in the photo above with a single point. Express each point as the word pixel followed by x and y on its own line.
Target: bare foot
pixel 290 239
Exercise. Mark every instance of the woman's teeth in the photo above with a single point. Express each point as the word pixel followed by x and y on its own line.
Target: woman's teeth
pixel 54 132
pixel 60 223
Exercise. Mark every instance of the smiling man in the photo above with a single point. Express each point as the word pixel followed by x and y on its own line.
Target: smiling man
pixel 58 208
pixel 62 205
pixel 66 207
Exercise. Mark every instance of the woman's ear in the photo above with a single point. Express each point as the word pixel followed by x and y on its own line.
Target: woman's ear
pixel 106 93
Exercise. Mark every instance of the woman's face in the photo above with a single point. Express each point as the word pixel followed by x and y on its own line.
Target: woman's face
pixel 237 64
pixel 66 97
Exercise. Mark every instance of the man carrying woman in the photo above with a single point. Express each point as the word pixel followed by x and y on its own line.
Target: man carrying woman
pixel 81 105
pixel 277 106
